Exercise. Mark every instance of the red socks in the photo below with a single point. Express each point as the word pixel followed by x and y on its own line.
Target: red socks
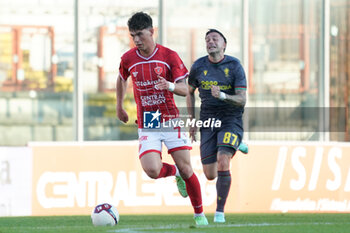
pixel 194 192
pixel 167 170
pixel 192 186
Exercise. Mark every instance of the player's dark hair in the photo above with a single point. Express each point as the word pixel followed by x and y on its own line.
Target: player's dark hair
pixel 214 30
pixel 140 21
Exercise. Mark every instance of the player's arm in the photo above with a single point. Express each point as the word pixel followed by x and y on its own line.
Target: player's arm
pixel 238 99
pixel 181 87
pixel 178 88
pixel 191 103
pixel 121 87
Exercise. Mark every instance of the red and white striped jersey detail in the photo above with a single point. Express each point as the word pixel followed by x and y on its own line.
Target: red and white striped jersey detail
pixel 144 71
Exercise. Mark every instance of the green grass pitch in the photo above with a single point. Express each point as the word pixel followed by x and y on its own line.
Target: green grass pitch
pixel 235 223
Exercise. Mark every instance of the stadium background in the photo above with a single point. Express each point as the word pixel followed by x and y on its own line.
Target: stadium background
pixel 58 65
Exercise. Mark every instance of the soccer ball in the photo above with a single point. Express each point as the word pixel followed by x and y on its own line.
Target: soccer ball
pixel 105 215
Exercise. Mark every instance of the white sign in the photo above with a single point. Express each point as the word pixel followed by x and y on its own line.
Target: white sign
pixel 15 181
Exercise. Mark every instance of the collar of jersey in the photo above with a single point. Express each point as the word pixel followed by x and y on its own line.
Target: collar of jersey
pixel 147 58
pixel 216 63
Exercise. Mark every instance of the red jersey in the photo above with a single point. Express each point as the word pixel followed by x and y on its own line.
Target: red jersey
pixel 144 71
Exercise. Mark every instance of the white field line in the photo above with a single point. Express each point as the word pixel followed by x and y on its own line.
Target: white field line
pixel 176 226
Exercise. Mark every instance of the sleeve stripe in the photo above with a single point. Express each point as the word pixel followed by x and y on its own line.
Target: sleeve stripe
pixel 181 77
pixel 241 88
pixel 122 77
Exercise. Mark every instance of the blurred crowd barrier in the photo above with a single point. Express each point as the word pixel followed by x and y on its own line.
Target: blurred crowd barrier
pixel 71 178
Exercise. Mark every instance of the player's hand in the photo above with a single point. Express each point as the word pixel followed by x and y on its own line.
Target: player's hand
pixel 162 83
pixel 193 132
pixel 215 91
pixel 122 115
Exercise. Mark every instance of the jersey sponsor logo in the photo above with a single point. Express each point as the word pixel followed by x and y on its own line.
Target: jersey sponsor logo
pixel 227 71
pixel 205 72
pixel 151 100
pixel 146 83
pixel 225 87
pixel 158 70
pixel 206 85
pixel 151 120
pixel 135 73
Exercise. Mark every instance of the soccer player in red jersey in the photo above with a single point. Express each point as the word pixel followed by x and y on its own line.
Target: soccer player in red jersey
pixel 157 74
